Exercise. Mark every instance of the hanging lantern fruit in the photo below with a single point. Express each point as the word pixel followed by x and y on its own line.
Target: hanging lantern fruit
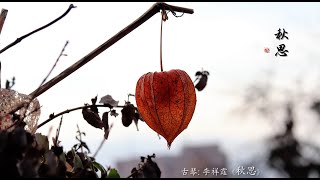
pixel 166 101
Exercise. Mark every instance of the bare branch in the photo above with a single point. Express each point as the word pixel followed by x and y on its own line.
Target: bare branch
pixel 39 29
pixel 53 116
pixel 61 54
pixel 32 97
pixel 147 15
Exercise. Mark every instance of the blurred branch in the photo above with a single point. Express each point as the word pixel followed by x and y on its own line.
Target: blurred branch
pixel 99 148
pixel 3 16
pixel 39 29
pixel 147 15
pixel 53 116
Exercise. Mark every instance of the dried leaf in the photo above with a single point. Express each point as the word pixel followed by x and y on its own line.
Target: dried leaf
pixel 105 119
pixel 114 113
pixel 202 83
pixel 94 100
pixel 109 100
pixel 128 114
pixel 92 118
pixel 93 107
pixel 151 169
pixel 138 115
pixel 136 174
pixel 198 73
pixel 202 80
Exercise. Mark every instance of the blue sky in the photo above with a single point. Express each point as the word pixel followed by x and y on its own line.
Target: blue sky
pixel 227 39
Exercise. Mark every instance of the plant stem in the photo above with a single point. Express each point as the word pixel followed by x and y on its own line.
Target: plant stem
pixel 80 138
pixel 161 41
pixel 70 110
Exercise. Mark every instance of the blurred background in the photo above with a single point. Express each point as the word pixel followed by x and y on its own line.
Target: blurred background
pixel 257 116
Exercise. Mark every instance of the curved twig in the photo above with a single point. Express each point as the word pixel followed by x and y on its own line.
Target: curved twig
pixel 52 116
pixel 39 29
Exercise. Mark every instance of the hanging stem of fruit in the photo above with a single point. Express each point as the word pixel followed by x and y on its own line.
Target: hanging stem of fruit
pixel 163 13
pixel 164 17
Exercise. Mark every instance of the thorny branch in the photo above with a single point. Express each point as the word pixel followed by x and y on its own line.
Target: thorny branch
pixel 39 29
pixel 53 116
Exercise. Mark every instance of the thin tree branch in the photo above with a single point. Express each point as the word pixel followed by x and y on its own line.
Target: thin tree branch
pixel 53 116
pixel 39 29
pixel 52 68
pixel 3 16
pixel 147 15
pixel 27 105
pixel 61 54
